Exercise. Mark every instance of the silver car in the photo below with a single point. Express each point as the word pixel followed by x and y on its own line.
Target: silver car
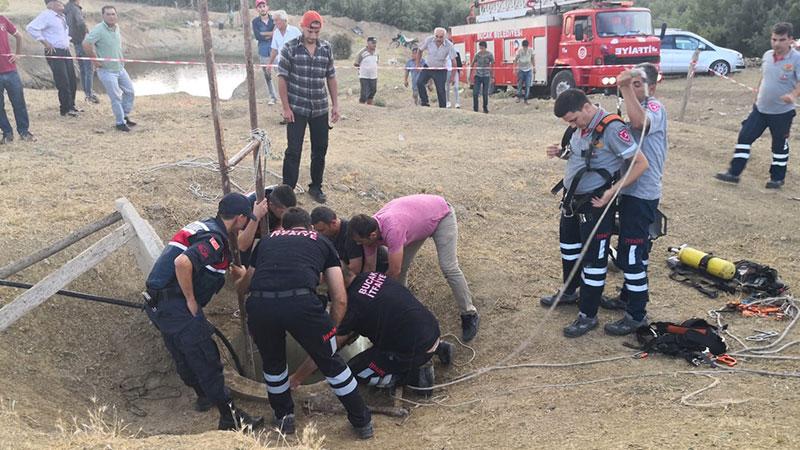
pixel 678 46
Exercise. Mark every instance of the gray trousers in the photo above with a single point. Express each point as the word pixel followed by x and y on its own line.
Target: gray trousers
pixel 446 239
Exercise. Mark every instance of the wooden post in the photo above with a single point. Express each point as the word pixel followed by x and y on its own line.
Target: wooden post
pixel 251 101
pixel 211 70
pixel 247 32
pixel 223 163
pixel 689 79
pixel 52 283
pixel 57 246
pixel 237 158
pixel 147 246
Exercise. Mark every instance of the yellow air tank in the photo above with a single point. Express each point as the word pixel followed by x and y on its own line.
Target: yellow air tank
pixel 699 260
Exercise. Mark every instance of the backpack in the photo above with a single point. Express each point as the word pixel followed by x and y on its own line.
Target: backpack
pixel 693 339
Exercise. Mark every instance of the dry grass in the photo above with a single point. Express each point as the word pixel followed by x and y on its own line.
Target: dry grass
pixel 103 428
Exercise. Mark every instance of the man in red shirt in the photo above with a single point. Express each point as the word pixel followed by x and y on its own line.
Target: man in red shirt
pixel 10 81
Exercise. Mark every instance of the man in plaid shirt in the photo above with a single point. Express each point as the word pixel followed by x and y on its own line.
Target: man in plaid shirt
pixel 305 67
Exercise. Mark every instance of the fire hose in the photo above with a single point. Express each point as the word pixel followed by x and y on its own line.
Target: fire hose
pixel 114 301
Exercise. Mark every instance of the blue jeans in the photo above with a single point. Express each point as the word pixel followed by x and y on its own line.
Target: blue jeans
pixel 87 71
pixel 11 82
pixel 524 82
pixel 120 91
pixel 481 87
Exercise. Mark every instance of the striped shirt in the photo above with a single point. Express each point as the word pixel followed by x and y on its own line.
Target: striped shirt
pixel 306 75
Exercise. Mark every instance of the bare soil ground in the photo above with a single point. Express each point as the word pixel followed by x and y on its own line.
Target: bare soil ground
pixel 492 168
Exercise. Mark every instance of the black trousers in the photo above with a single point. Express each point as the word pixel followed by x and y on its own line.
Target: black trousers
pixel 573 232
pixel 189 342
pixel 752 128
pixel 305 318
pixel 380 368
pixel 636 215
pixel 64 78
pixel 295 133
pixel 439 79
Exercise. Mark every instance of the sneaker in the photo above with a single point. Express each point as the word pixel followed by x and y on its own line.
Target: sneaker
pixel 70 113
pixel 518 99
pixel 625 326
pixel 444 352
pixel 727 177
pixel 77 110
pixel 129 122
pixel 469 326
pixel 615 302
pixel 285 424
pixel 566 299
pixel 774 184
pixel 365 432
pixel 448 105
pixel 7 139
pixel 271 101
pixel 29 137
pixel 202 404
pixel 92 99
pixel 582 325
pixel 238 420
pixel 123 127
pixel 458 105
pixel 317 195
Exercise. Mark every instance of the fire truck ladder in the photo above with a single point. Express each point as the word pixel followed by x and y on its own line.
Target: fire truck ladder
pixel 489 10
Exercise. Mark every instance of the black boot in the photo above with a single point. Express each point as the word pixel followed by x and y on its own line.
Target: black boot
pixel 232 418
pixel 445 352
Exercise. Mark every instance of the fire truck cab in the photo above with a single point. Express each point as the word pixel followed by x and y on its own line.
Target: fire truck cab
pixel 585 47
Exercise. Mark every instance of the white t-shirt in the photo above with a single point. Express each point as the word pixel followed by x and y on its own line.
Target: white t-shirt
pixel 367 64
pixel 280 39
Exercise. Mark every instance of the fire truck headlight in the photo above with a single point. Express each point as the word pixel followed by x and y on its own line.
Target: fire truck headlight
pixel 604 81
pixel 612 80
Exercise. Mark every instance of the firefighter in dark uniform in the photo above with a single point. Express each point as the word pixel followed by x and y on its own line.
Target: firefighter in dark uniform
pixel 188 273
pixel 600 148
pixel 283 278
pixel 404 334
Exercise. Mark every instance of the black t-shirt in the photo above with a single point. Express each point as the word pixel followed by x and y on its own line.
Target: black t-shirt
pixel 388 314
pixel 345 245
pixel 291 259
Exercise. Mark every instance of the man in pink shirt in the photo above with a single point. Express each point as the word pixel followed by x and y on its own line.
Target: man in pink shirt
pixel 403 225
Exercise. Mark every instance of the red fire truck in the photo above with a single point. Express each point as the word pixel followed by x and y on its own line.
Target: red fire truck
pixel 585 47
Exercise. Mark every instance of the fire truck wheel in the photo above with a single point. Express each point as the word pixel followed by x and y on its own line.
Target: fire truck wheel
pixel 561 82
pixel 721 67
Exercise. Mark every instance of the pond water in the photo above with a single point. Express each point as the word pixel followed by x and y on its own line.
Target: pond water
pixel 160 79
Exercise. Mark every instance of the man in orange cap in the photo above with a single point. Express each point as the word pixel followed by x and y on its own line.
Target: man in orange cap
pixel 304 70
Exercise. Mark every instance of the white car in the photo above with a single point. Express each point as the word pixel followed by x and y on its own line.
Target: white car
pixel 678 46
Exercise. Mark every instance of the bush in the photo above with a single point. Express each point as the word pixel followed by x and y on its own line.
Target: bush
pixel 342 46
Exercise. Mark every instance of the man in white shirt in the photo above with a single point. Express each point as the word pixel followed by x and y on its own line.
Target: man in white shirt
pixel 50 29
pixel 367 63
pixel 283 33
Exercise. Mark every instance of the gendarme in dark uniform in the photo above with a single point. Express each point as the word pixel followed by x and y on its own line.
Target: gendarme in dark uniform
pixel 285 273
pixel 190 270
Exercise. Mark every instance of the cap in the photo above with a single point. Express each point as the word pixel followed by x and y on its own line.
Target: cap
pixel 372 39
pixel 310 17
pixel 261 2
pixel 233 204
